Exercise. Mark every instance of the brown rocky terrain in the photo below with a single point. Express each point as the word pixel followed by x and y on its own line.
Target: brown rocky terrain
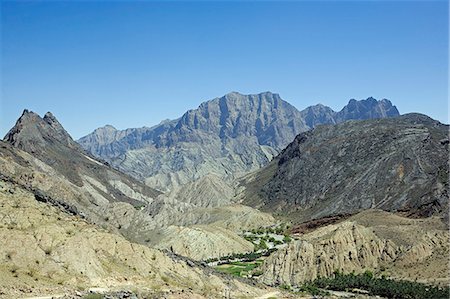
pixel 71 222
pixel 46 251
pixel 200 220
pixel 59 172
pixel 398 247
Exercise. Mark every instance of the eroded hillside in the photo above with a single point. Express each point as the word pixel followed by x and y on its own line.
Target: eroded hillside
pixel 387 244
pixel 40 156
pixel 46 251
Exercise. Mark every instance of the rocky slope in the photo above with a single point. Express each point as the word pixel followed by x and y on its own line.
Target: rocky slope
pixel 59 172
pixel 45 251
pixel 46 140
pixel 227 136
pixel 412 249
pixel 200 220
pixel 201 242
pixel 395 164
pixel 39 155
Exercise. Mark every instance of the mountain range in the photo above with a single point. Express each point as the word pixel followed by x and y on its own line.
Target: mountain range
pixel 39 155
pixel 362 189
pixel 228 136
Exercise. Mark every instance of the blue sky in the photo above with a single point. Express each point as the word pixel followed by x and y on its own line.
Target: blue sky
pixel 133 64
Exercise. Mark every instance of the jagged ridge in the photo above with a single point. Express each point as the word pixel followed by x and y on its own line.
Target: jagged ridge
pixel 227 136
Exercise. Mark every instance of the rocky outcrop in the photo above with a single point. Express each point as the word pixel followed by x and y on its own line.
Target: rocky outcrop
pixel 31 132
pixel 395 164
pixel 39 155
pixel 227 136
pixel 202 242
pixel 375 240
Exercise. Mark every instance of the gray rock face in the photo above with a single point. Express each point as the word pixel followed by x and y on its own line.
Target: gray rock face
pixel 32 132
pixel 354 110
pixel 227 136
pixel 318 115
pixel 396 164
pixel 366 109
pixel 45 139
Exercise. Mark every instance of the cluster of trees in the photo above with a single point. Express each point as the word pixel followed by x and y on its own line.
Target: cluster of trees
pixel 383 286
pixel 279 230
pixel 261 245
pixel 244 257
pixel 266 238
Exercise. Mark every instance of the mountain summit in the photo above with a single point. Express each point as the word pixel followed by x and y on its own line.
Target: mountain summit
pixel 227 136
pixel 31 131
pixel 355 110
pixel 366 109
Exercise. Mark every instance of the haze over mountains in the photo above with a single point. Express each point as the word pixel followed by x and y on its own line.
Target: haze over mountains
pixel 227 136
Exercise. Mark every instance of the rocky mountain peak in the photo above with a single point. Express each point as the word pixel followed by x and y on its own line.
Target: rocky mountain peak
pixel 355 110
pixel 31 131
pixel 25 120
pixel 318 114
pixel 228 136
pixel 60 133
pixel 107 128
pixel 367 109
pixel 265 116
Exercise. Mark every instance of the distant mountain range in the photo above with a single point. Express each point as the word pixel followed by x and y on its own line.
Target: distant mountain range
pixel 228 136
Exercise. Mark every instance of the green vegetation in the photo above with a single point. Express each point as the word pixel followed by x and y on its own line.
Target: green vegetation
pixel 243 264
pixel 379 286
pixel 279 230
pixel 93 296
pixel 277 242
pixel 287 239
pixel 251 238
pixel 261 245
pixel 245 257
pixel 240 269
pixel 312 289
pixel 266 237
pixel 285 287
pixel 139 206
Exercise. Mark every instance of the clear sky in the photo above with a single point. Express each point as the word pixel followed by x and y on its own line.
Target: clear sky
pixel 133 64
